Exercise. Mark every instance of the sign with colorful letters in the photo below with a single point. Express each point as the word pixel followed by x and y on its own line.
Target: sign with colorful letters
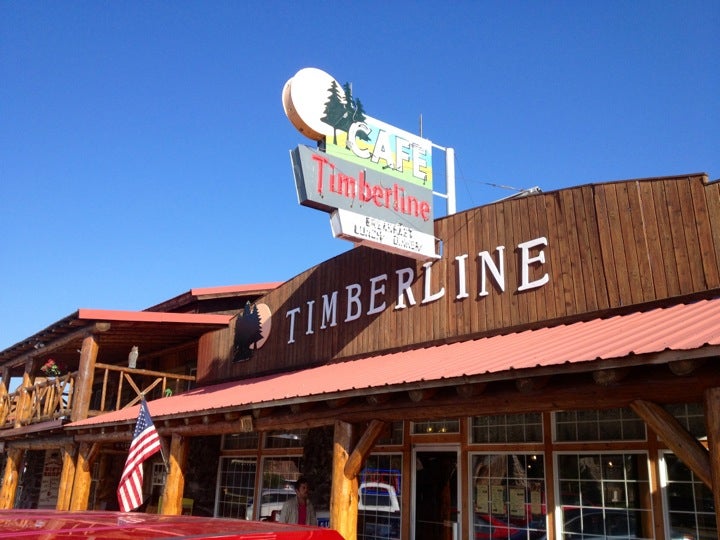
pixel 374 179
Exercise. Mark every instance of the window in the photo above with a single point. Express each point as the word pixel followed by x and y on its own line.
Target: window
pixel 236 481
pixel 379 501
pixel 505 428
pixel 285 439
pixel 278 485
pixel 508 495
pixel 394 437
pixel 691 416
pixel 689 502
pixel 433 427
pixel 604 494
pixel 605 425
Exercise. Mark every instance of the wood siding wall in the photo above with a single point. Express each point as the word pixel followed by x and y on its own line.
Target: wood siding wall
pixel 609 246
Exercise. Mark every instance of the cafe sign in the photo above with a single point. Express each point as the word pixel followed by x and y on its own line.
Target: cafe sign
pixel 374 179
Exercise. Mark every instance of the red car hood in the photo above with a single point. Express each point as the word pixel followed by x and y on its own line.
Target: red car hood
pixel 44 524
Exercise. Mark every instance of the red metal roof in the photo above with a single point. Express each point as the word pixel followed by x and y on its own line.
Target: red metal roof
pixel 681 327
pixel 236 289
pixel 153 317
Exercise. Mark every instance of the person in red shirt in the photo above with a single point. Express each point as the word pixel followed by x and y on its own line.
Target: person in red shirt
pixel 299 509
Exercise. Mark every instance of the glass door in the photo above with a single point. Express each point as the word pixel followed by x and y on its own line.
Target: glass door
pixel 435 494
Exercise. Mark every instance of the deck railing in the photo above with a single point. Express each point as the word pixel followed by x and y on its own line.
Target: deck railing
pixel 114 388
pixel 117 387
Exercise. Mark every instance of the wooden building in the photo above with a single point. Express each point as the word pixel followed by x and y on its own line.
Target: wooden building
pixel 555 370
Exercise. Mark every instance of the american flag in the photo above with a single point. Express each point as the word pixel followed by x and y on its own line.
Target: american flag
pixel 145 443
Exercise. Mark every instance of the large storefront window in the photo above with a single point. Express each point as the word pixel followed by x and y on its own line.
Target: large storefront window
pixel 604 495
pixel 379 501
pixel 508 496
pixel 691 509
pixel 236 481
pixel 278 485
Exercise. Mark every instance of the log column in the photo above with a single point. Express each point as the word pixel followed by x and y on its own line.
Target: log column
pixel 23 411
pixel 67 477
pixel 84 382
pixel 175 483
pixel 11 477
pixel 712 423
pixel 344 495
pixel 83 476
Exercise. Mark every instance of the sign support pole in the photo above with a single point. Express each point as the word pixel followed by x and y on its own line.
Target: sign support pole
pixel 449 196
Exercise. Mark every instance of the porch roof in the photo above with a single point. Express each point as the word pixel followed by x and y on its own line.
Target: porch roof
pixel 152 331
pixel 654 336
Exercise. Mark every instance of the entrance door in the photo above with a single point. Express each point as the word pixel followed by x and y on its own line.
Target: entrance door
pixel 435 491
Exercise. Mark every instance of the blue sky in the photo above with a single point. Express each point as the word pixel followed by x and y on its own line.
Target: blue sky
pixel 144 147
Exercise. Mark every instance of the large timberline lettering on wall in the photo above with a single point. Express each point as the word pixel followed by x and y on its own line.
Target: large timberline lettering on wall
pixel 327 312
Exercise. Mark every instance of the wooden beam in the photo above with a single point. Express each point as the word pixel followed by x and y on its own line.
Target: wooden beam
pixel 378 399
pixel 338 402
pixel 672 433
pixel 685 367
pixel 175 481
pixel 467 391
pixel 55 344
pixel 712 423
pixel 48 443
pixel 344 493
pixel 263 413
pixel 364 446
pixel 563 393
pixel 525 385
pixel 301 407
pixel 608 377
pixel 421 394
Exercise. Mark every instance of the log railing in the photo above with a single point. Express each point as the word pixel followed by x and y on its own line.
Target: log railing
pixel 117 387
pixel 114 388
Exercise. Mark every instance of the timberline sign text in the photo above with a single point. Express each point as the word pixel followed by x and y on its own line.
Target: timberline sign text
pixel 309 317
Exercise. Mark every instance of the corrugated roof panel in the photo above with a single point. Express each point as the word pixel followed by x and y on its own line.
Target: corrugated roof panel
pixel 680 327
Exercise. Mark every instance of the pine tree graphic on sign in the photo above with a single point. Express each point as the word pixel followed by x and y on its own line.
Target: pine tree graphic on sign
pixel 248 331
pixel 341 113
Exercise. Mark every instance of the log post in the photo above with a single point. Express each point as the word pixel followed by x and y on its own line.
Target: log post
pixel 11 477
pixel 175 482
pixel 712 423
pixel 84 381
pixel 4 403
pixel 344 494
pixel 23 411
pixel 67 477
pixel 674 435
pixel 83 476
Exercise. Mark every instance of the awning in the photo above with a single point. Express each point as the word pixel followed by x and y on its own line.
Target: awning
pixel 629 337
